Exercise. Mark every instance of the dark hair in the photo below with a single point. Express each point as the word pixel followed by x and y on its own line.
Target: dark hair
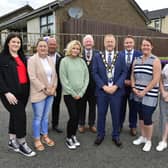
pixel 147 39
pixel 129 36
pixel 5 50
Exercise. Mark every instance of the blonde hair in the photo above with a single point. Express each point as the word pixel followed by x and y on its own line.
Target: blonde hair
pixel 70 45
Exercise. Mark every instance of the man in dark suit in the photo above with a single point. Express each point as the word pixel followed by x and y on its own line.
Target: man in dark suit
pixel 56 56
pixel 129 54
pixel 109 73
pixel 89 97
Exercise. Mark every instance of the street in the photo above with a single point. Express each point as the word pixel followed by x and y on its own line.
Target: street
pixel 87 156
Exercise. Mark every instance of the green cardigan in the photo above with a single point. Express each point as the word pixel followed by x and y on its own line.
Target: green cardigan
pixel 74 76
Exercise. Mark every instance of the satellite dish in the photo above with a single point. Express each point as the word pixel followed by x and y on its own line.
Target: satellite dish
pixel 75 12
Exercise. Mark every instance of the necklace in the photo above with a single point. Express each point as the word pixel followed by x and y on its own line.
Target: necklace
pixel 109 68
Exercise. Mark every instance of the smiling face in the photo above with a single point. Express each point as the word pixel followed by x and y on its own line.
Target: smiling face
pixel 75 51
pixel 88 43
pixel 146 47
pixel 52 45
pixel 14 45
pixel 42 48
pixel 109 43
pixel 129 44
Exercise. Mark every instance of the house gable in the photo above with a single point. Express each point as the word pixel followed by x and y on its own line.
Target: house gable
pixel 123 12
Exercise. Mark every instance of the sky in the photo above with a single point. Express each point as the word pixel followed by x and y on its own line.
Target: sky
pixel 11 5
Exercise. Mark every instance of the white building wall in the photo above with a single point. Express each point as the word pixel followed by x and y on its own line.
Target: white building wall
pixel 33 30
pixel 165 25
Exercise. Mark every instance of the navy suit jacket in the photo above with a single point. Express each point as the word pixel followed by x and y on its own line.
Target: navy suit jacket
pixel 100 75
pixel 136 54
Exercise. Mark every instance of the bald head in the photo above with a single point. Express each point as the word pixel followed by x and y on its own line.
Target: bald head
pixel 52 45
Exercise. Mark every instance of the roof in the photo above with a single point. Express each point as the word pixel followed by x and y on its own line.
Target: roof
pixel 52 6
pixel 140 11
pixel 26 7
pixel 155 14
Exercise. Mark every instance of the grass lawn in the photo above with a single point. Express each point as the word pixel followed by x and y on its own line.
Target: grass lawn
pixel 163 58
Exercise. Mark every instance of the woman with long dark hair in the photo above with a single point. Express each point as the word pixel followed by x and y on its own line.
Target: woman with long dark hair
pixel 14 92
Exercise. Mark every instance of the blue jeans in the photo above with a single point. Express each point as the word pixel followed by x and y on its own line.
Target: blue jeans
pixel 40 121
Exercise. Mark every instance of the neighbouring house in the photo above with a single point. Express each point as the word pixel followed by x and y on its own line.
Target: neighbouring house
pixel 11 17
pixel 159 19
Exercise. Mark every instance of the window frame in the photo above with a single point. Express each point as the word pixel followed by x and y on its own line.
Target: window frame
pixel 47 25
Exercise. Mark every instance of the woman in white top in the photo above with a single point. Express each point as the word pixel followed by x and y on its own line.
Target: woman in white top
pixel 163 109
pixel 43 83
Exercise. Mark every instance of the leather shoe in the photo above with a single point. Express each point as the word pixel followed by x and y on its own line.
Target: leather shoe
pixel 98 141
pixel 117 142
pixel 81 129
pixel 57 129
pixel 133 131
pixel 120 129
pixel 93 129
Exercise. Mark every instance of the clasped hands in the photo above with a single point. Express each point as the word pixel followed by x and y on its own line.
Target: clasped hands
pixel 139 93
pixel 50 90
pixel 110 89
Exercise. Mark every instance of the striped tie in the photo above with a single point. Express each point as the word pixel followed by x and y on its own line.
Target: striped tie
pixel 109 59
pixel 128 58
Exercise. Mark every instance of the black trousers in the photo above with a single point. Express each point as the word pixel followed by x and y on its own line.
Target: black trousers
pixel 91 100
pixel 132 113
pixel 56 108
pixel 17 118
pixel 74 108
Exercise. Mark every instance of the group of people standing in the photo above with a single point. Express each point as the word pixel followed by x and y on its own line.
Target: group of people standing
pixel 84 76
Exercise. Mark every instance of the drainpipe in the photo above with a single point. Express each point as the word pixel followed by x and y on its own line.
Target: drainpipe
pixel 160 23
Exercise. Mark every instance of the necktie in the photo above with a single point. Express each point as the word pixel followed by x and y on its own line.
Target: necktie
pixel 109 59
pixel 88 55
pixel 128 58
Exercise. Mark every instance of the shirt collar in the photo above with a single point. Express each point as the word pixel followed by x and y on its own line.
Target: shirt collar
pixel 107 52
pixel 88 50
pixel 132 51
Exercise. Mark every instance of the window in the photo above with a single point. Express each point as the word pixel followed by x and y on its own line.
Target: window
pixel 47 25
pixel 157 24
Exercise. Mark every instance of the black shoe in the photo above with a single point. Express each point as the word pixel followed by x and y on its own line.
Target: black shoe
pixel 133 131
pixel 69 143
pixel 120 129
pixel 98 140
pixel 26 150
pixel 12 144
pixel 57 129
pixel 117 142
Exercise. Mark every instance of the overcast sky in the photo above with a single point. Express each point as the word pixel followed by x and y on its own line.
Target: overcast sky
pixel 10 5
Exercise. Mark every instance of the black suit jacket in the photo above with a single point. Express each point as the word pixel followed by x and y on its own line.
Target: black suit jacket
pixel 59 57
pixel 91 86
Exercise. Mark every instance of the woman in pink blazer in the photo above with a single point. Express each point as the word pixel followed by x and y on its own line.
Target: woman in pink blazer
pixel 43 82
